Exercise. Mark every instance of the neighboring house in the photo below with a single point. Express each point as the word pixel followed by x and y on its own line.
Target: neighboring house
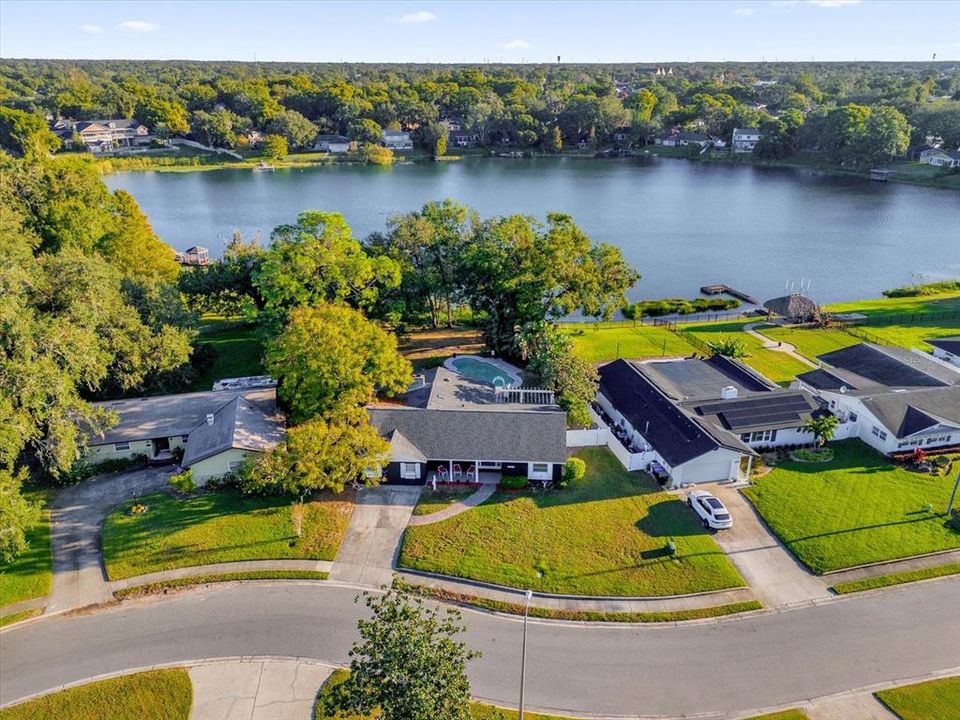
pixel 455 421
pixel 941 158
pixel 670 139
pixel 622 134
pixel 100 136
pixel 701 420
pixel 453 124
pixel 463 138
pixel 693 138
pixel 215 429
pixel 794 308
pixel 893 399
pixel 914 151
pixel 397 140
pixel 332 144
pixel 196 255
pixel 744 140
pixel 947 349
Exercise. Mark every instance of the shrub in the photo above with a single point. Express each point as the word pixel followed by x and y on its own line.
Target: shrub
pixel 575 470
pixel 183 482
pixel 513 482
pixel 82 469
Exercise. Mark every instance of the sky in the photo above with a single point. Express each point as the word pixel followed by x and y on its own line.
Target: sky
pixel 476 32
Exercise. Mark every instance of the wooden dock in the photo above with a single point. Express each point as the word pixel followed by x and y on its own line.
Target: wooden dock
pixel 727 290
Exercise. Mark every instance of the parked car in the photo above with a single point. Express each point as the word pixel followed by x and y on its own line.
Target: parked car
pixel 712 513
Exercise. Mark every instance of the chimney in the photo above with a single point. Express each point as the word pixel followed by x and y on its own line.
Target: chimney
pixel 728 392
pixel 209 418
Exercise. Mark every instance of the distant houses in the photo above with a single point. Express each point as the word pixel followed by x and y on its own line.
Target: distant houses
pixel 463 138
pixel 196 255
pixel 744 140
pixel 939 157
pixel 397 140
pixel 102 136
pixel 336 144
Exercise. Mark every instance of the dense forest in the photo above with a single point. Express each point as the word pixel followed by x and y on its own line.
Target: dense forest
pixel 849 112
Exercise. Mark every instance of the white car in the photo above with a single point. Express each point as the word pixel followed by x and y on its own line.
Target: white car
pixel 713 513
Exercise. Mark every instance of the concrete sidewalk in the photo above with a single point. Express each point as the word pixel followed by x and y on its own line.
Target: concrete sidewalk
pixel 785 348
pixel 484 492
pixel 256 689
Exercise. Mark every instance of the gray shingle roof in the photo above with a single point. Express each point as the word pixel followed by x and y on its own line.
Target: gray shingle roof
pixel 866 368
pixel 510 436
pixel 950 344
pixel 912 411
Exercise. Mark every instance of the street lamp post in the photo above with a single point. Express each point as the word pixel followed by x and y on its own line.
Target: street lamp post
pixel 523 650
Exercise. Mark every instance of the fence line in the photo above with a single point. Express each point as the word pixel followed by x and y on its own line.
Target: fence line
pixel 912 318
pixel 598 324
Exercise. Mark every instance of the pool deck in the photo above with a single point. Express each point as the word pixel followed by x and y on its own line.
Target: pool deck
pixel 512 373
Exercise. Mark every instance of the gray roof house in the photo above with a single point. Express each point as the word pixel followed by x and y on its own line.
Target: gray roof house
pixel 456 428
pixel 214 429
pixel 895 400
pixel 947 349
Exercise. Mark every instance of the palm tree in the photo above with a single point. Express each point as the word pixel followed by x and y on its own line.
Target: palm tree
pixel 823 427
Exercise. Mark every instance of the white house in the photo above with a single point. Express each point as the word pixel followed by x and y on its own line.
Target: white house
pixel 397 140
pixel 103 136
pixel 941 158
pixel 892 399
pixel 947 349
pixel 215 429
pixel 744 140
pixel 701 420
pixel 332 144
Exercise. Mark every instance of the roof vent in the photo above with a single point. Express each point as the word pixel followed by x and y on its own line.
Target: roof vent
pixel 728 393
pixel 209 418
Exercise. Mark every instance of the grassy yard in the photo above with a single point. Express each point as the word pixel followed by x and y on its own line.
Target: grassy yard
pixel 220 526
pixel 604 535
pixel 154 695
pixel 948 302
pixel 30 574
pixel 431 502
pixel 934 700
pixel 596 343
pixel 857 509
pixel 776 366
pixel 478 711
pixel 783 715
pixel 239 352
pixel 811 342
pixel 897 578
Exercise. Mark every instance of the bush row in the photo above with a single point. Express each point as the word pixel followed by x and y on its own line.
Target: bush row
pixel 680 306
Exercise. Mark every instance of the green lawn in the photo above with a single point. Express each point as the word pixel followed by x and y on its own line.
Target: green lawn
pixel 857 509
pixel 220 526
pixel 933 700
pixel 431 502
pixel 776 366
pixel 604 535
pixel 478 711
pixel 811 342
pixel 897 578
pixel 948 302
pixel 153 695
pixel 596 343
pixel 239 353
pixel 783 715
pixel 30 574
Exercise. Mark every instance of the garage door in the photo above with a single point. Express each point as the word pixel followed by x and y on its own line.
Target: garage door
pixel 706 471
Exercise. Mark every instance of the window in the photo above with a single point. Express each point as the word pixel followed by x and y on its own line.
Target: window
pixel 491 465
pixel 853 417
pixel 121 446
pixel 759 436
pixel 879 433
pixel 541 467
pixel 234 465
pixel 184 438
pixel 409 471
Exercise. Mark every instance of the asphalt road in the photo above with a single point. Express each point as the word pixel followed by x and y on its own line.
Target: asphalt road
pixel 730 666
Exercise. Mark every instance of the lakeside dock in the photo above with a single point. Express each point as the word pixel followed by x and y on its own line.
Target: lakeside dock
pixel 727 290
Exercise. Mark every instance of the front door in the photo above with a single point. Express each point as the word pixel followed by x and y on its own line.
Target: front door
pixel 160 445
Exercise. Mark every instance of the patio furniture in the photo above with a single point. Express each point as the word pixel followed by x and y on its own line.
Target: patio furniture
pixel 472 470
pixel 457 471
pixel 442 472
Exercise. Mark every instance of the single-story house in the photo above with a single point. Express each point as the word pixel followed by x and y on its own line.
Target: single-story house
pixel 332 143
pixel 793 308
pixel 893 399
pixel 454 423
pixel 463 138
pixel 941 158
pixel 744 140
pixel 947 349
pixel 701 420
pixel 914 151
pixel 397 140
pixel 669 139
pixel 215 429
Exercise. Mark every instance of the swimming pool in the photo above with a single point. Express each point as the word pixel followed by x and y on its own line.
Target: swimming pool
pixel 486 370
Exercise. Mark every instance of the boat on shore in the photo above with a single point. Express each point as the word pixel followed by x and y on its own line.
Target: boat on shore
pixel 264 166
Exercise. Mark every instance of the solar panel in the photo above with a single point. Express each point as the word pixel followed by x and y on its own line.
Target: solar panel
pixel 760 419
pixel 784 402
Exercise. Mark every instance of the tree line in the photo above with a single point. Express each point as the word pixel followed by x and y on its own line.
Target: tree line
pixel 803 106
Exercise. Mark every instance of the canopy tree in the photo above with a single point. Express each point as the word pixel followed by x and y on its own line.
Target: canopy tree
pixel 549 353
pixel 227 285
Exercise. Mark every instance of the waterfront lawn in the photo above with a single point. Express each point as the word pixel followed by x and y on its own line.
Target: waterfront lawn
pixel 773 365
pixel 239 352
pixel 31 573
pixel 948 302
pixel 595 343
pixel 604 535
pixel 220 526
pixel 810 342
pixel 912 336
pixel 859 508
pixel 431 502
pixel 154 695
pixel 933 700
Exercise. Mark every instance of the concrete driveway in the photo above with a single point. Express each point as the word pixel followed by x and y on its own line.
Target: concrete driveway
pixel 372 542
pixel 768 567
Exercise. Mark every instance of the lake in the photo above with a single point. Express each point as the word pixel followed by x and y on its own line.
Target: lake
pixel 681 224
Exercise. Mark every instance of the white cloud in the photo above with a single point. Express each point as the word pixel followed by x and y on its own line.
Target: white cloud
pixel 138 26
pixel 744 11
pixel 833 3
pixel 516 44
pixel 91 29
pixel 415 18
